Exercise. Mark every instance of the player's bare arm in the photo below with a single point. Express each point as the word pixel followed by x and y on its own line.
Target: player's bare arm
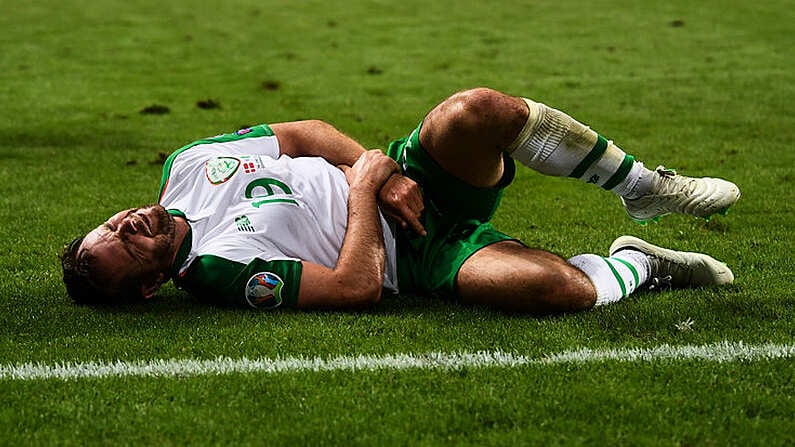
pixel 357 278
pixel 336 254
pixel 400 197
pixel 315 138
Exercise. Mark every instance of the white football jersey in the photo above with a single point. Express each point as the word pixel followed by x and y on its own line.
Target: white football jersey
pixel 254 215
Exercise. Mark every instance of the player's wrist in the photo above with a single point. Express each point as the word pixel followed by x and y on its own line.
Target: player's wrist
pixel 364 190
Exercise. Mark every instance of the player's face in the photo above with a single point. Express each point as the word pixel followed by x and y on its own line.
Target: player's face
pixel 135 243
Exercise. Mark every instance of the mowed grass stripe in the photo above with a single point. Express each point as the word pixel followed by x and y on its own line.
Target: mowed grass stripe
pixel 716 352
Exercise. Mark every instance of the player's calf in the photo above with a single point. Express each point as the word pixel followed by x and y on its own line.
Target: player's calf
pixel 634 263
pixel 554 143
pixel 511 277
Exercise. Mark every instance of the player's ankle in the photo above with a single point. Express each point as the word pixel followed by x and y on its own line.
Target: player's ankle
pixel 638 183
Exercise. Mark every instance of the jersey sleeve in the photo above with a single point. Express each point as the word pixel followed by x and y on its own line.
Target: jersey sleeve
pixel 259 284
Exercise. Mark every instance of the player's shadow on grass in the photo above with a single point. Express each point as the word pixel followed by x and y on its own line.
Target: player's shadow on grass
pixel 173 303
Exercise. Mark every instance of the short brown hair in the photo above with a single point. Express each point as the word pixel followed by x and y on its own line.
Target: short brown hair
pixel 79 278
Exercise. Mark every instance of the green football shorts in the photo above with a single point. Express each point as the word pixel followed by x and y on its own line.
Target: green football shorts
pixel 456 218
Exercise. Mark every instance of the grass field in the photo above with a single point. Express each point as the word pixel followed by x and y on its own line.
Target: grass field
pixel 705 87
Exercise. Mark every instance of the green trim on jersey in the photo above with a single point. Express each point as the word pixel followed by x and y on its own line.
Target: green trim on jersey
pixel 262 130
pixel 222 281
pixel 184 249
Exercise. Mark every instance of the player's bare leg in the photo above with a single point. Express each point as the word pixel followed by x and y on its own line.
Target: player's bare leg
pixel 510 276
pixel 468 133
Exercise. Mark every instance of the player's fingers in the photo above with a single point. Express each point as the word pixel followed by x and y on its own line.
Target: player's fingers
pixel 411 215
pixel 413 199
pixel 412 205
pixel 406 217
pixel 416 225
pixel 402 223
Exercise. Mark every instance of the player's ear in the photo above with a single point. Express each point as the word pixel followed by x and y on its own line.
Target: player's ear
pixel 150 286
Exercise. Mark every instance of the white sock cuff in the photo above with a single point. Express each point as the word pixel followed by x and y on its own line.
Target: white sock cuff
pixel 535 114
pixel 551 142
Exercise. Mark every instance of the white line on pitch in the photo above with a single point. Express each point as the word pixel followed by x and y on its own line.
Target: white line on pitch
pixel 716 352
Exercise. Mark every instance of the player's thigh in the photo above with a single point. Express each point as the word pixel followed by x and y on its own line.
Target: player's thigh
pixel 510 276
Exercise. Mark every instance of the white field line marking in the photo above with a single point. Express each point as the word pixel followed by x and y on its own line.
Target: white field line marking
pixel 716 352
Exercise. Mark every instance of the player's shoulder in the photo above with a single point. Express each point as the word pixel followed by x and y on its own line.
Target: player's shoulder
pixel 218 141
pixel 227 148
pixel 260 130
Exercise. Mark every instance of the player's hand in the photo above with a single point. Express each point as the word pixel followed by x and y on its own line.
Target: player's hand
pixel 371 171
pixel 401 199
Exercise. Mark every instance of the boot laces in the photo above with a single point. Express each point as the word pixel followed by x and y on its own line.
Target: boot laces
pixel 668 186
pixel 665 172
pixel 661 283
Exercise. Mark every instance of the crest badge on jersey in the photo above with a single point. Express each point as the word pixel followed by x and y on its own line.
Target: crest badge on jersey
pixel 221 169
pixel 264 290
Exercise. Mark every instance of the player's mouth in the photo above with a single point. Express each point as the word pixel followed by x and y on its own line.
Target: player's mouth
pixel 147 224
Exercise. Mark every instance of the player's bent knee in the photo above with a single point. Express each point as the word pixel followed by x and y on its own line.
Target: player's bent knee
pixel 482 113
pixel 474 104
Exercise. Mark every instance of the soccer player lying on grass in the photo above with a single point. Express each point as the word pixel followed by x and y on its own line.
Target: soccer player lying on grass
pixel 288 215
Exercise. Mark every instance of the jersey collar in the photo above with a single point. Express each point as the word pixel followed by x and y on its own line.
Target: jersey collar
pixel 184 248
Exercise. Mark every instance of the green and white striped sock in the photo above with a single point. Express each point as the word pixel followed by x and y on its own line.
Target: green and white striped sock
pixel 614 277
pixel 554 143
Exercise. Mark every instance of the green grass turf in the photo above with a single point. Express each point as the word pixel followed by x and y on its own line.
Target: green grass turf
pixel 704 87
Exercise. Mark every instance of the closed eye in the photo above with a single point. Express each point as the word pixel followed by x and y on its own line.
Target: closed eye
pixel 123 239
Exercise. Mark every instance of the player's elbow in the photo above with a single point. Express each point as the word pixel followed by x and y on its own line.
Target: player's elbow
pixel 368 295
pixel 363 294
pixel 373 295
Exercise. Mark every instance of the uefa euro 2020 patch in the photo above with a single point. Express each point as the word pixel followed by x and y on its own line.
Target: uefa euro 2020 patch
pixel 264 291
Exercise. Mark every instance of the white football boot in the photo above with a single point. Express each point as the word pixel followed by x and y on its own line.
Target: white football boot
pixel 672 193
pixel 677 269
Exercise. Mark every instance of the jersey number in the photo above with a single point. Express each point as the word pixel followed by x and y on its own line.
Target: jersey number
pixel 268 185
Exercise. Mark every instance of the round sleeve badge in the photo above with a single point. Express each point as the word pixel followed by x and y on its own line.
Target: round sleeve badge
pixel 264 291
